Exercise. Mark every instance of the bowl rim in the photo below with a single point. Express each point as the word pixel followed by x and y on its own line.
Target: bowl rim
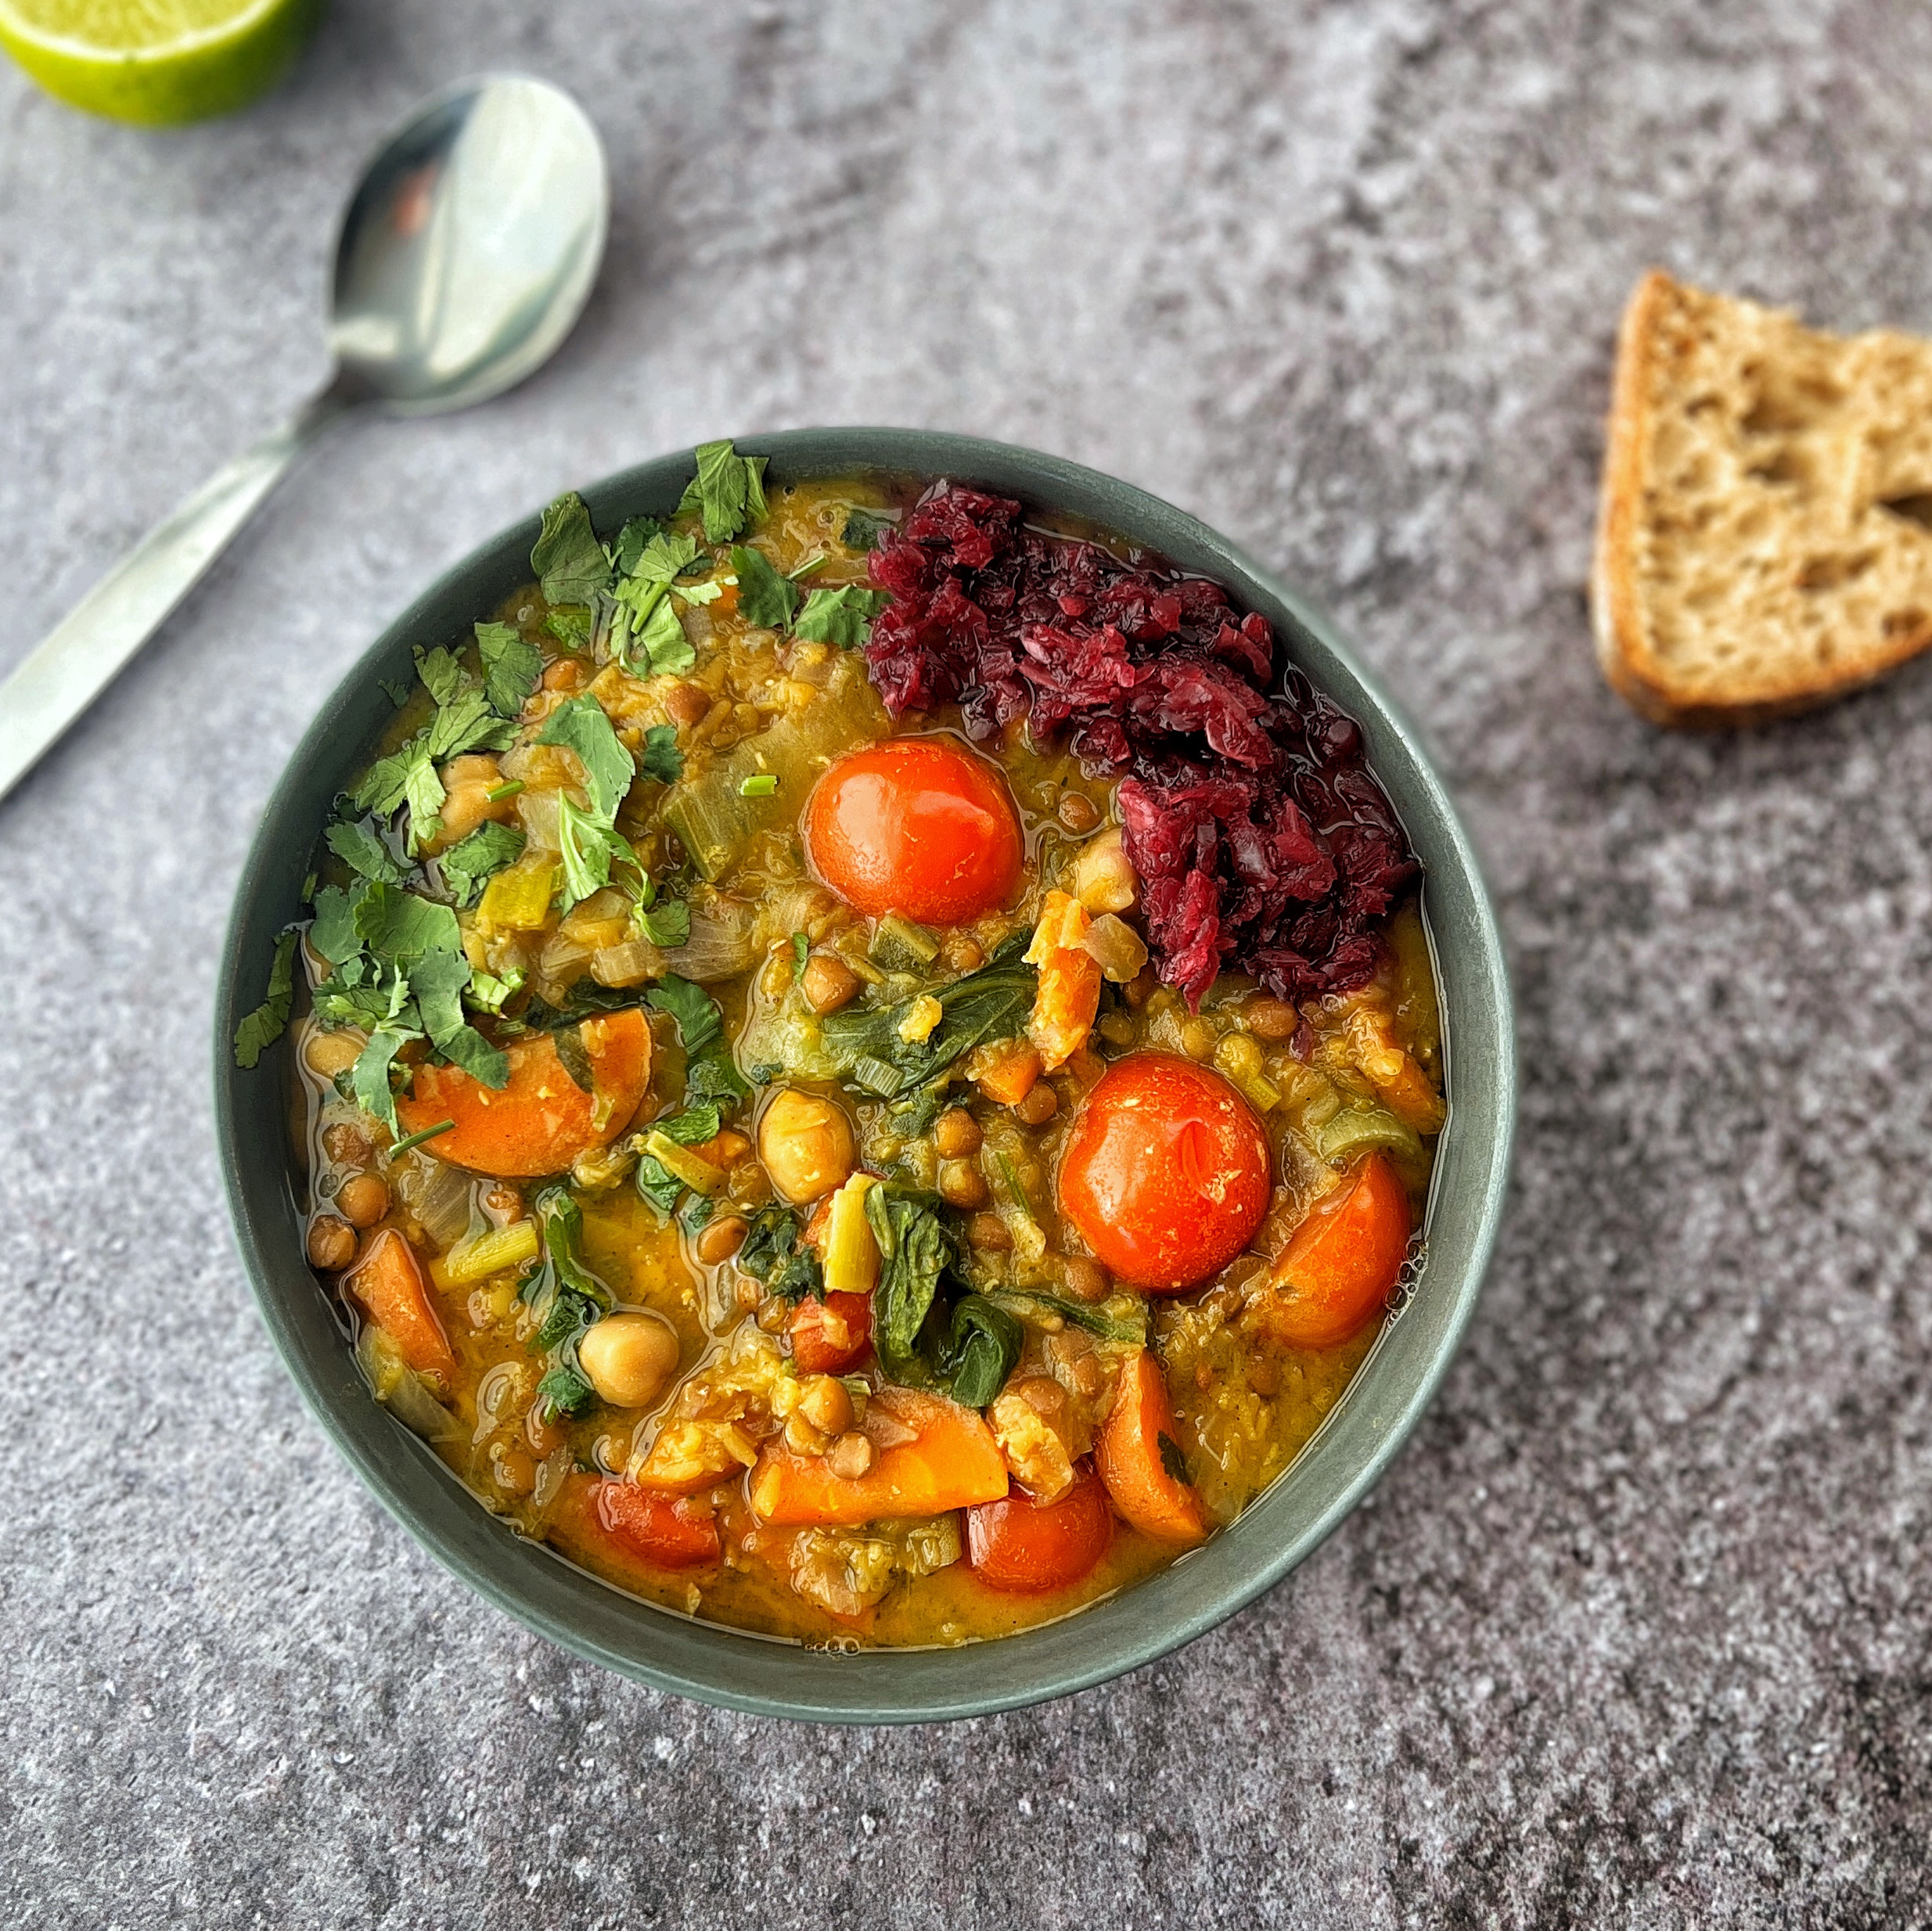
pixel 744 1670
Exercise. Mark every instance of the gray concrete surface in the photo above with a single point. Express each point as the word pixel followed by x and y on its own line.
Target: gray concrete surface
pixel 1636 1632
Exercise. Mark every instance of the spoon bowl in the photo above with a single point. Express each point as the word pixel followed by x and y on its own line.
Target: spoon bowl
pixel 471 247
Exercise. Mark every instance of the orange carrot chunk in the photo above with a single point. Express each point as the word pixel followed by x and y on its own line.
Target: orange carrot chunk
pixel 1138 1457
pixel 949 1461
pixel 387 1285
pixel 543 1119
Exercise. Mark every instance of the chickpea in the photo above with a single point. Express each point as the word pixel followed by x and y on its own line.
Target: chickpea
pixel 362 1199
pixel 565 674
pixel 347 1144
pixel 330 1053
pixel 515 1473
pixel 988 1233
pixel 823 1401
pixel 961 1184
pixel 806 1144
pixel 719 1239
pixel 828 983
pixel 1103 878
pixel 628 1358
pixel 467 783
pixel 850 1457
pixel 1039 1106
pixel 957 1135
pixel 1274 1020
pixel 331 1242
pixel 686 704
pixel 1077 813
pixel 1085 1280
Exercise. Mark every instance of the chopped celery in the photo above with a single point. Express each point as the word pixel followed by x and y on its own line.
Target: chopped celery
pixel 900 946
pixel 1355 1129
pixel 697 1172
pixel 494 1252
pixel 519 900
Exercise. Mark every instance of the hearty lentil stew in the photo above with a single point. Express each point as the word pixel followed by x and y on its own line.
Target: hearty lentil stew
pixel 870 1064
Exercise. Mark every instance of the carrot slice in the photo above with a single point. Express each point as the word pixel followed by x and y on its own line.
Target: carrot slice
pixel 1133 1453
pixel 1333 1277
pixel 388 1284
pixel 543 1119
pixel 951 1462
pixel 674 1533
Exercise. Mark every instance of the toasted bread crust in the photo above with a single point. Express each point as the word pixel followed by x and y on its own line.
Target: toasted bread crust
pixel 1655 334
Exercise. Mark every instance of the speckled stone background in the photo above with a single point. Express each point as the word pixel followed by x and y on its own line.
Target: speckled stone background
pixel 1636 1632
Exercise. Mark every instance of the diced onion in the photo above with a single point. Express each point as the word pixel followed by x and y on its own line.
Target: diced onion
pixel 1118 947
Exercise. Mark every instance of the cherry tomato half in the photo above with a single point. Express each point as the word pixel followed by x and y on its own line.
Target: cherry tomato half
pixel 1166 1172
pixel 917 825
pixel 1332 1278
pixel 674 1533
pixel 830 1336
pixel 1018 1546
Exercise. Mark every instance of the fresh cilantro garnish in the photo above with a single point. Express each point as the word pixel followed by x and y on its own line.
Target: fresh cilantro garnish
pixel 709 591
pixel 442 673
pixel 663 557
pixel 656 643
pixel 571 625
pixel 471 861
pixel 590 850
pixel 468 1048
pixel 632 542
pixel 511 668
pixel 395 690
pixel 566 1391
pixel 863 528
pixel 764 598
pixel 362 851
pixel 659 759
pixel 569 562
pixel 269 1020
pixel 333 933
pixel 423 792
pixel 843 615
pixel 397 926
pixel 668 925
pixel 728 491
pixel 370 1080
pixel 579 724
pixel 710 1071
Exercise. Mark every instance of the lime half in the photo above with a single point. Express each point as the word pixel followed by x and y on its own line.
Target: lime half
pixel 157 62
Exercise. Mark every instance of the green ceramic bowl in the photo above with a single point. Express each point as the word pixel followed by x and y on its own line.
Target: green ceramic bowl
pixel 754 1673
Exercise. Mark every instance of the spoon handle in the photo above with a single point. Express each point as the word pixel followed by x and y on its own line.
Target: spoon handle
pixel 81 656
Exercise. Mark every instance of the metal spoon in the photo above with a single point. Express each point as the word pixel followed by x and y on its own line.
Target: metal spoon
pixel 465 258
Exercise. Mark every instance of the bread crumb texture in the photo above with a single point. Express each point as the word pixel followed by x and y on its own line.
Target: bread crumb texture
pixel 1766 534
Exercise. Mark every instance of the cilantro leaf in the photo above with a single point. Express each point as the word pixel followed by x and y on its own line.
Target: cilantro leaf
pixel 663 557
pixel 472 861
pixel 396 925
pixel 580 725
pixel 333 933
pixel 362 851
pixel 423 792
pixel 569 562
pixel 467 724
pixel 269 1020
pixel 840 615
pixel 370 1078
pixel 442 673
pixel 764 598
pixel 566 1391
pixel 589 848
pixel 395 690
pixel 728 490
pixel 863 528
pixel 668 925
pixel 437 980
pixel 661 643
pixel 709 591
pixel 571 624
pixel 380 788
pixel 661 760
pixel 631 543
pixel 511 668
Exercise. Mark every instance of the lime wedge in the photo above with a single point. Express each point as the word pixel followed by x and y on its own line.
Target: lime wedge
pixel 158 63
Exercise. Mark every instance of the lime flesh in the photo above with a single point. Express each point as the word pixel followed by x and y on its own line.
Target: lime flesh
pixel 157 62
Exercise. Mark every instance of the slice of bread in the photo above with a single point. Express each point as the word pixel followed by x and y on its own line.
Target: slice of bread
pixel 1766 539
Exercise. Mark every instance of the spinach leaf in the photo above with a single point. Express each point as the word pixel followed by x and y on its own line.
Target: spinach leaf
pixel 693 1127
pixel 914 1251
pixel 511 668
pixel 362 851
pixel 772 1252
pixel 989 1004
pixel 863 528
pixel 657 1183
pixel 981 1352
pixel 580 725
pixel 569 562
pixel 471 862
pixel 1077 1313
pixel 567 1391
pixel 468 1048
pixel 840 615
pixel 764 598
pixel 728 491
pixel 261 1028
